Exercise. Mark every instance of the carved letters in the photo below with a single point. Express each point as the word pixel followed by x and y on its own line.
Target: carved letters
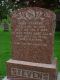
pixel 33 34
pixel 29 74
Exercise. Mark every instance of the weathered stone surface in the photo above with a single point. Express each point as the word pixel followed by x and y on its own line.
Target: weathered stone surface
pixel 23 70
pixel 33 34
pixel 32 45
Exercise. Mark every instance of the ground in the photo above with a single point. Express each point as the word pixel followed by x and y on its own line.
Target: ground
pixel 5 50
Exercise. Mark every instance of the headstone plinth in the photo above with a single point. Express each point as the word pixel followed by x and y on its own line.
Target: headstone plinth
pixel 23 70
pixel 32 45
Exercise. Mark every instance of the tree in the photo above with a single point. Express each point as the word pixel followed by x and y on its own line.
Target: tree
pixel 7 6
pixel 50 4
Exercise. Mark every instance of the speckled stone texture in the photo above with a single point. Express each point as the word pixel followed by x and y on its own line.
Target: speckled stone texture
pixel 32 45
pixel 33 34
pixel 23 70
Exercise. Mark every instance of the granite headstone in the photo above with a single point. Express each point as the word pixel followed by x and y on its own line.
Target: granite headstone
pixel 32 45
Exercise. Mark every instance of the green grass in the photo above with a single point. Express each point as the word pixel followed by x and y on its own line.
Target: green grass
pixel 5 50
pixel 57 48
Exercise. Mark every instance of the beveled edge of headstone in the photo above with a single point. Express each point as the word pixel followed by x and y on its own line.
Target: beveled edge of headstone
pixel 49 14
pixel 32 64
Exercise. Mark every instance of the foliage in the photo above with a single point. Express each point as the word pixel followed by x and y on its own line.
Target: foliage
pixel 7 6
pixel 57 10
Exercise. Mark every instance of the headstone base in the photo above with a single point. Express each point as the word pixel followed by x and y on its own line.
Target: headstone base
pixel 23 70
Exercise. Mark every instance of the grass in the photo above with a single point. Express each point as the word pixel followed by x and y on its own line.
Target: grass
pixel 5 50
pixel 57 48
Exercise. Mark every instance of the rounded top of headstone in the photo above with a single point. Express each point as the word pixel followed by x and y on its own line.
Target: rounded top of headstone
pixel 32 13
pixel 33 32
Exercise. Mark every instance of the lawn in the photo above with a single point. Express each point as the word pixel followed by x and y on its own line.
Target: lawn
pixel 57 48
pixel 5 50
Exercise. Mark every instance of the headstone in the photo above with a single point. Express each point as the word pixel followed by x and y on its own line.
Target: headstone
pixel 6 27
pixel 33 34
pixel 32 45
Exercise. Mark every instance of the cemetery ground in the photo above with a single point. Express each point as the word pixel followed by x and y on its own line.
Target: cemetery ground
pixel 5 50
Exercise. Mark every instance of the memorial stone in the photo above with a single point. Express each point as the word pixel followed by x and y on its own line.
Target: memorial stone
pixel 6 27
pixel 32 45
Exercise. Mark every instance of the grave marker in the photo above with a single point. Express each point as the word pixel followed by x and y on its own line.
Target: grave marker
pixel 32 45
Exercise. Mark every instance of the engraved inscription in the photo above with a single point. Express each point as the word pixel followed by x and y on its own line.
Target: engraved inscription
pixel 30 14
pixel 33 34
pixel 29 74
pixel 45 76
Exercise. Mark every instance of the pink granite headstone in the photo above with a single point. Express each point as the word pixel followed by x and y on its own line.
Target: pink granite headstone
pixel 32 45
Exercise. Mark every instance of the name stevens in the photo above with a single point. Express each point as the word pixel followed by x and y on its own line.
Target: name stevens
pixel 29 74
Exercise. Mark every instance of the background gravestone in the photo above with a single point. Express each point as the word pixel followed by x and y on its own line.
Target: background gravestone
pixel 32 45
pixel 6 27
